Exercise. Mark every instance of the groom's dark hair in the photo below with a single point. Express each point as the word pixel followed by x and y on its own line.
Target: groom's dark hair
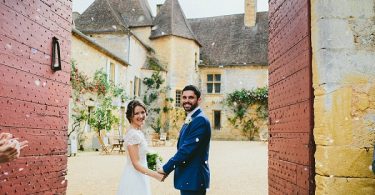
pixel 194 89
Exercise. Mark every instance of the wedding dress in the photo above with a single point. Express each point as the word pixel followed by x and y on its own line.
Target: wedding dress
pixel 133 182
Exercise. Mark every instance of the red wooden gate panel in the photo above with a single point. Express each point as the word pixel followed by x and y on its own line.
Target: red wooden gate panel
pixel 291 146
pixel 34 99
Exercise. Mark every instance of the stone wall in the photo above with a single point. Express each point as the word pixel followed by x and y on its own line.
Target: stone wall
pixel 233 78
pixel 178 56
pixel 116 43
pixel 128 49
pixel 343 56
pixel 89 60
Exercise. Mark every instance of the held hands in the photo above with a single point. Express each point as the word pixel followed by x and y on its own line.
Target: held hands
pixel 161 171
pixel 160 177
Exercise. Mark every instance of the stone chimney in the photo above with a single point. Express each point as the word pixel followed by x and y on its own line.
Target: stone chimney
pixel 158 6
pixel 250 12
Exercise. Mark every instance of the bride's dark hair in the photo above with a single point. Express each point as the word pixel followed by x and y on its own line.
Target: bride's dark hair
pixel 130 109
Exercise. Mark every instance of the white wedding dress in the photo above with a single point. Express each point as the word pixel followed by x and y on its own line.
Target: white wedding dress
pixel 133 182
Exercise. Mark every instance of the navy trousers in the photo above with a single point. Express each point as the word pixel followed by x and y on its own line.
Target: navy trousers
pixel 188 192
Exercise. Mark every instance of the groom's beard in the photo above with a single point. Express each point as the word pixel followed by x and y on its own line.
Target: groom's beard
pixel 192 107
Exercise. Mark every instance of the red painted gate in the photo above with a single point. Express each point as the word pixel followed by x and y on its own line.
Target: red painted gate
pixel 291 145
pixel 33 98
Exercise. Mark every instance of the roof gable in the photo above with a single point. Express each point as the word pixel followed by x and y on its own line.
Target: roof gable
pixel 171 20
pixel 134 13
pixel 114 16
pixel 98 17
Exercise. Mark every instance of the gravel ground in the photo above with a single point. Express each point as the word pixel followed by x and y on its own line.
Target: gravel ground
pixel 236 168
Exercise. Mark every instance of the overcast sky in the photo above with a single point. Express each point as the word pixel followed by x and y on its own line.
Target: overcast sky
pixel 194 8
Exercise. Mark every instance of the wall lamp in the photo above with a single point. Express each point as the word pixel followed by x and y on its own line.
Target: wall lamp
pixel 56 58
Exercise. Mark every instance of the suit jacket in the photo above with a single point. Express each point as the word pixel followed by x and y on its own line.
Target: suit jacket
pixel 190 163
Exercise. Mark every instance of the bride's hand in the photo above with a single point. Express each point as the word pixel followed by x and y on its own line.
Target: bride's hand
pixel 160 177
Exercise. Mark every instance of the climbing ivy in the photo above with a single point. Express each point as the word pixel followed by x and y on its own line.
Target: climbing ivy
pixel 241 101
pixel 153 98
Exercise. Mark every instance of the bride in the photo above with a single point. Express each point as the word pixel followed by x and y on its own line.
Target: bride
pixel 135 176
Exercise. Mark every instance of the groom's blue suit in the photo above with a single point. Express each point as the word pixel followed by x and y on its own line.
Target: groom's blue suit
pixel 191 160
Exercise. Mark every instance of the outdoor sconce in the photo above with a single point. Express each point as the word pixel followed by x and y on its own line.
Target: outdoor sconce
pixel 56 58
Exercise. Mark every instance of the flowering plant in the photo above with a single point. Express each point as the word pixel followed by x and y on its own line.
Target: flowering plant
pixel 188 120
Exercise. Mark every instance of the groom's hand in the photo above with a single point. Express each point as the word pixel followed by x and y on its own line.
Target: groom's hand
pixel 161 171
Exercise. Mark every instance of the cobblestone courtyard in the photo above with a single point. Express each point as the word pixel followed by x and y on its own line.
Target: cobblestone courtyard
pixel 238 168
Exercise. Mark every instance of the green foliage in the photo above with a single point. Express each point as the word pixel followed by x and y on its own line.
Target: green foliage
pixel 100 83
pixel 155 81
pixel 244 98
pixel 104 90
pixel 154 64
pixel 80 115
pixel 240 101
pixel 156 125
pixel 152 160
pixel 178 115
pixel 153 99
pixel 103 117
pixel 78 80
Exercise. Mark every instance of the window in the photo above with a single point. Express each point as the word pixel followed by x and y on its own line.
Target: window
pixel 122 121
pixel 131 89
pixel 137 86
pixel 87 126
pixel 178 98
pixel 196 63
pixel 217 119
pixel 112 72
pixel 213 83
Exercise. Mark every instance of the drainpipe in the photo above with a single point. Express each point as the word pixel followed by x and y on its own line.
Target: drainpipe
pixel 129 48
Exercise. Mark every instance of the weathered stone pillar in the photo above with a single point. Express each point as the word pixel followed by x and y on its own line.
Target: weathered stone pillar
pixel 343 62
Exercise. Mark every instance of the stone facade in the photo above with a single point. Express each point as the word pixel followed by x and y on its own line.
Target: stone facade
pixel 172 41
pixel 343 47
pixel 232 78
pixel 90 57
pixel 128 48
pixel 178 56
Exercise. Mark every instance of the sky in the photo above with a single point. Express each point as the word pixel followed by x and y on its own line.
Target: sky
pixel 194 8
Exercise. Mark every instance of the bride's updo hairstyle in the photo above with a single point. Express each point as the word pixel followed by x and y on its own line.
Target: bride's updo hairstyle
pixel 130 109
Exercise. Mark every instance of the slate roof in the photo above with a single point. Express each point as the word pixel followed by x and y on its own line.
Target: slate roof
pixel 171 20
pixel 105 16
pixel 226 41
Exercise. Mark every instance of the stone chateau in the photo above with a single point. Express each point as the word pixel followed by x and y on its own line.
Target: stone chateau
pixel 219 54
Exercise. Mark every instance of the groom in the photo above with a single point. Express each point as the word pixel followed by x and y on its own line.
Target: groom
pixel 190 163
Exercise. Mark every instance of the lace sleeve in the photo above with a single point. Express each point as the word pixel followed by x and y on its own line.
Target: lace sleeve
pixel 132 138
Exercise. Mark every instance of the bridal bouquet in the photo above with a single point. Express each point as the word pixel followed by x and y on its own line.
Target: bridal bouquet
pixel 154 161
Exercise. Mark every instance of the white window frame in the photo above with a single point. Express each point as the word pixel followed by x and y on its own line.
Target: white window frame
pixel 213 82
